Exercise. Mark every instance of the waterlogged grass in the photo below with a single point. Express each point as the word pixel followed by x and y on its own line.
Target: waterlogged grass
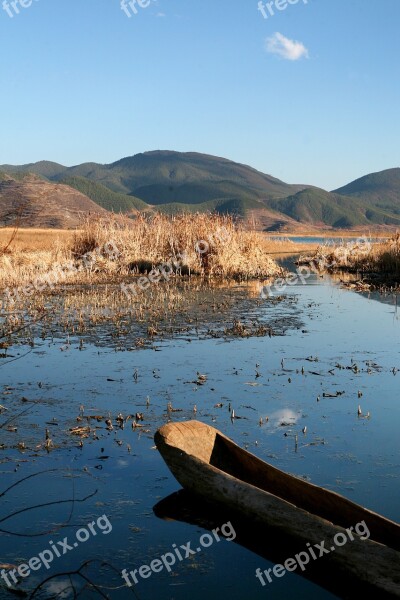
pixel 190 308
pixel 103 250
pixel 377 264
pixel 128 283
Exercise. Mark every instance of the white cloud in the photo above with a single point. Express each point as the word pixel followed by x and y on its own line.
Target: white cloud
pixel 160 15
pixel 285 48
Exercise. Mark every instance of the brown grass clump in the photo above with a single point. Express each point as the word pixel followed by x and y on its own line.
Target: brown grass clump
pixel 387 256
pixel 24 268
pixel 382 258
pixel 204 244
pixel 110 250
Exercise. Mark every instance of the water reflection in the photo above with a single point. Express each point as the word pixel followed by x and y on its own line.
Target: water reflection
pixel 268 543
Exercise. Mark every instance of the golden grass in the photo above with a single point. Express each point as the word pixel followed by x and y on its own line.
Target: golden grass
pixel 280 246
pixel 386 257
pixel 106 250
pixel 29 240
pixel 382 258
pixel 204 244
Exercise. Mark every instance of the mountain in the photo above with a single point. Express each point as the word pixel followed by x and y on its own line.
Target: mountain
pixel 33 202
pixel 43 168
pixel 163 177
pixel 380 189
pixel 104 197
pixel 173 182
pixel 318 207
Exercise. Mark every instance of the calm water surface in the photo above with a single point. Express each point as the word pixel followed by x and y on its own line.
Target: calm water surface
pixel 347 342
pixel 324 240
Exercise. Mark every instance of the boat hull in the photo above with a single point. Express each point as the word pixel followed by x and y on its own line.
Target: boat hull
pixel 371 562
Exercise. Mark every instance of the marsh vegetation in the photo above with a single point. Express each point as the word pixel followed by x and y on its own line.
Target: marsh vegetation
pixel 376 265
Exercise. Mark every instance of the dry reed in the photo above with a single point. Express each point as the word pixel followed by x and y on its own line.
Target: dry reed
pixel 115 249
pixel 211 245
pixel 380 258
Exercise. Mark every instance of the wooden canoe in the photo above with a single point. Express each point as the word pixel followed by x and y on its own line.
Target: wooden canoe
pixel 210 465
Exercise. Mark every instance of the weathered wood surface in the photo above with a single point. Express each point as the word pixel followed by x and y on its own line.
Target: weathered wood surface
pixel 206 462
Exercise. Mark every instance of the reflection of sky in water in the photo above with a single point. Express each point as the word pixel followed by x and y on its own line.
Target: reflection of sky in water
pixel 281 417
pixel 359 458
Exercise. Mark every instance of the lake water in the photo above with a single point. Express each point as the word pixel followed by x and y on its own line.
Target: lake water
pixel 324 240
pixel 346 342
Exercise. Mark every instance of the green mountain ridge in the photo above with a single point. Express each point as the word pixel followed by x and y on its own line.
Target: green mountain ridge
pixel 381 189
pixel 104 197
pixel 223 206
pixel 173 182
pixel 316 206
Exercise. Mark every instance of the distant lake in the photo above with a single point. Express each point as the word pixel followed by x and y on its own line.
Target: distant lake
pixel 321 240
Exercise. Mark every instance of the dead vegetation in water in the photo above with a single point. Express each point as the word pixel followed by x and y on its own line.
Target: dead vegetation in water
pixel 104 315
pixel 387 257
pixel 376 263
pixel 79 288
pixel 111 249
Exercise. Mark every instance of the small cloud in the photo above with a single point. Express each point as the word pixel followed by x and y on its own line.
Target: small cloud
pixel 160 15
pixel 285 48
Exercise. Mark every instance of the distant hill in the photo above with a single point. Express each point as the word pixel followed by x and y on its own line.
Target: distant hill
pixel 174 182
pixel 316 206
pixel 319 207
pixel 104 197
pixel 162 177
pixel 44 168
pixel 380 189
pixel 223 207
pixel 37 203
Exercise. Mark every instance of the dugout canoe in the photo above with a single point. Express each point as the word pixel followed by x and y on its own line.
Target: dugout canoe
pixel 210 465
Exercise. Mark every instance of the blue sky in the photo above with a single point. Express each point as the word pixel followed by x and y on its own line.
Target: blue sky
pixel 81 81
